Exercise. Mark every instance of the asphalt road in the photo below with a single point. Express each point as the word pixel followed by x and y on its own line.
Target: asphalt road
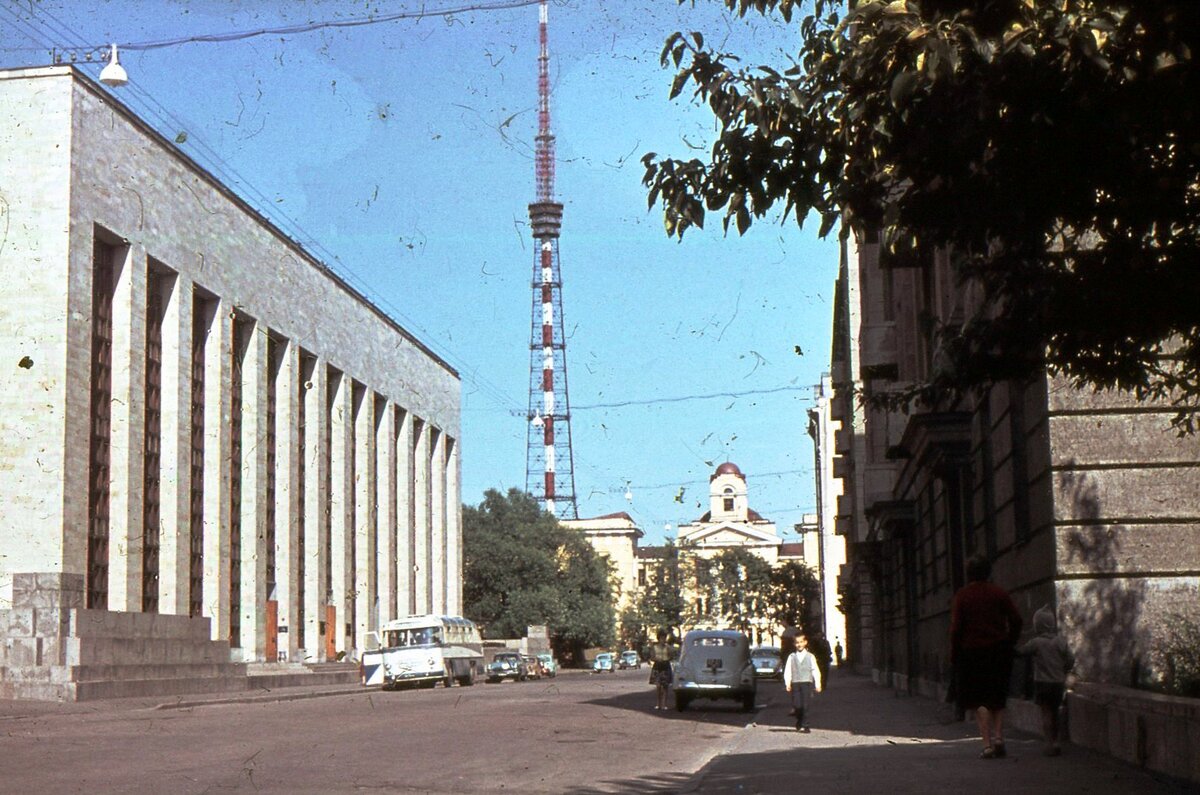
pixel 578 733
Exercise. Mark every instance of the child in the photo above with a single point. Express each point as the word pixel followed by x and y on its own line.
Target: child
pixel 1052 659
pixel 802 678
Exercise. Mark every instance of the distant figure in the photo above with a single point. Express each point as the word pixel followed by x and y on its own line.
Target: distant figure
pixel 819 647
pixel 1052 660
pixel 984 628
pixel 837 651
pixel 802 678
pixel 661 654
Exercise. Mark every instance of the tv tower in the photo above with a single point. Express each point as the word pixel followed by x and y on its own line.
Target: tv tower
pixel 549 462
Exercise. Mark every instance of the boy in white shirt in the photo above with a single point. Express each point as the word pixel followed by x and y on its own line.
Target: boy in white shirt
pixel 802 678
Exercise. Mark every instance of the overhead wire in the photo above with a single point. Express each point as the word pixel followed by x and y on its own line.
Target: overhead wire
pixel 166 120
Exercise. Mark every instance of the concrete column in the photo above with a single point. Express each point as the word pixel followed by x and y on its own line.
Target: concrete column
pixel 437 522
pixel 405 513
pixel 365 583
pixel 316 518
pixel 453 530
pixel 217 381
pixel 254 494
pixel 340 501
pixel 421 523
pixel 175 476
pixel 287 494
pixel 128 414
pixel 385 501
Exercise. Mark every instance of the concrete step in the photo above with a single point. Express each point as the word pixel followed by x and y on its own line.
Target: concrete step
pixel 312 678
pixel 130 688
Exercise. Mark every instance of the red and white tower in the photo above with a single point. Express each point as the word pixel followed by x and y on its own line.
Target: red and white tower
pixel 549 462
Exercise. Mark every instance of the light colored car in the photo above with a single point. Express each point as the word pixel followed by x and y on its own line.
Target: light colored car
pixel 715 663
pixel 549 664
pixel 630 659
pixel 768 664
pixel 605 661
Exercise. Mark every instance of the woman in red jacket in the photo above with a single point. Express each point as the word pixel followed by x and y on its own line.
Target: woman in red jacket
pixel 984 628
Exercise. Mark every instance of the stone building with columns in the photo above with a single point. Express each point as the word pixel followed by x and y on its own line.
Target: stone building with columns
pixel 215 450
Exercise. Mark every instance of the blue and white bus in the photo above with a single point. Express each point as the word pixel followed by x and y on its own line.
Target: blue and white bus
pixel 423 650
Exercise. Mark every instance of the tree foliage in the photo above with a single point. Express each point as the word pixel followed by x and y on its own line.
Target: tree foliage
pixel 1052 146
pixel 795 597
pixel 521 567
pixel 661 605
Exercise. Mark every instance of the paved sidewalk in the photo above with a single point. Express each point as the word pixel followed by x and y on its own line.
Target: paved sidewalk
pixel 866 738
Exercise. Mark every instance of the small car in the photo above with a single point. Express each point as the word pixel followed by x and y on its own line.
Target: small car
pixel 715 663
pixel 533 666
pixel 768 663
pixel 630 659
pixel 549 664
pixel 605 661
pixel 507 665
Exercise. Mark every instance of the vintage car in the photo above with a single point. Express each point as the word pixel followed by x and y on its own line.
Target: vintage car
pixel 533 666
pixel 629 659
pixel 507 665
pixel 768 663
pixel 605 661
pixel 715 663
pixel 549 664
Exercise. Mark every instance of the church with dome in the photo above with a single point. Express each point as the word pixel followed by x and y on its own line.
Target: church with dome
pixel 729 523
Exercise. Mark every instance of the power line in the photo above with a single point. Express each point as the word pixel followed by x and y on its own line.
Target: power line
pixel 308 27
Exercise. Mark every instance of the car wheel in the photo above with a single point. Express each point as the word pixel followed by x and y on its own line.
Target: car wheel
pixel 748 702
pixel 681 702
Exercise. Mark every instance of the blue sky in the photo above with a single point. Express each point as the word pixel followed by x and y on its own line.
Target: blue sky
pixel 401 153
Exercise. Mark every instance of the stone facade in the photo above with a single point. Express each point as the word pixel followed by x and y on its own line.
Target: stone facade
pixel 1084 501
pixel 201 425
pixel 616 537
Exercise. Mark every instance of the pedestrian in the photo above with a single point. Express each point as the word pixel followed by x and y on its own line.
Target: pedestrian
pixel 819 647
pixel 1052 661
pixel 802 678
pixel 837 651
pixel 984 628
pixel 661 654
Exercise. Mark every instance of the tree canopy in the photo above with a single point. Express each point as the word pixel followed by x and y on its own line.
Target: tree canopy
pixel 1052 146
pixel 521 567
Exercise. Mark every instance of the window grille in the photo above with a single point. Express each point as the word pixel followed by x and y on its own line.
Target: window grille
pixel 100 431
pixel 152 452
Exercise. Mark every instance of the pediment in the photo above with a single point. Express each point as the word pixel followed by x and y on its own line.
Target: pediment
pixel 730 534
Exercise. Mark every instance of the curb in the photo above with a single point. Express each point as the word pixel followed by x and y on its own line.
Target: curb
pixel 269 697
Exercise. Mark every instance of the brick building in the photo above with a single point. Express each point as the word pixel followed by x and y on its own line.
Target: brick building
pixel 1084 501
pixel 215 450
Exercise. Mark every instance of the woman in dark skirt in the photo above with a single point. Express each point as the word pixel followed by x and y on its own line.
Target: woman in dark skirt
pixel 661 675
pixel 984 628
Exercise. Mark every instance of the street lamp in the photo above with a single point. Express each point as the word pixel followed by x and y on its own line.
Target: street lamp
pixel 114 74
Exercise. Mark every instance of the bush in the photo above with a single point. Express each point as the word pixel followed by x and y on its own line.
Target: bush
pixel 1176 654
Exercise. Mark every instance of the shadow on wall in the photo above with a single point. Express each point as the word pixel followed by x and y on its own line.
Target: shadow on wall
pixel 1101 613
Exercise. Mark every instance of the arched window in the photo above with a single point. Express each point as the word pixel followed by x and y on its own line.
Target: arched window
pixel 728 499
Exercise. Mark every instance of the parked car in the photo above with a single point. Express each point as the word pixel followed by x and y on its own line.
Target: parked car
pixel 715 663
pixel 630 659
pixel 533 666
pixel 507 665
pixel 549 664
pixel 605 661
pixel 768 662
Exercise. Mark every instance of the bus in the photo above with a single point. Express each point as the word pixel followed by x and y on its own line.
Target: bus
pixel 420 651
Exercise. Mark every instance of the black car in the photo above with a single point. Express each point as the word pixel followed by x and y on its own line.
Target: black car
pixel 507 665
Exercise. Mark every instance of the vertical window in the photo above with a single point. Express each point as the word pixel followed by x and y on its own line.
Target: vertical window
pixel 203 310
pixel 275 364
pixel 241 340
pixel 100 426
pixel 157 285
pixel 308 370
pixel 334 378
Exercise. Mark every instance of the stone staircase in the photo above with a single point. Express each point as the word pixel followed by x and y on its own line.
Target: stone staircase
pixel 53 649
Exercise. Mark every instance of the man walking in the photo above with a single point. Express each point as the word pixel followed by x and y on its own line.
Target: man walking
pixel 802 678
